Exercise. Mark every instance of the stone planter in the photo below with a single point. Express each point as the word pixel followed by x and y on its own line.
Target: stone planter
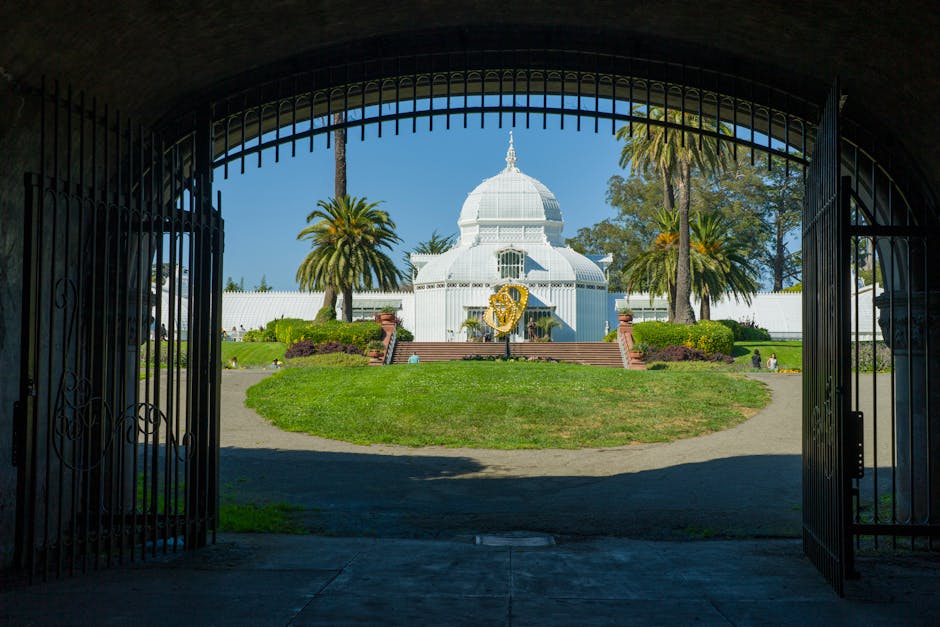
pixel 386 317
pixel 625 317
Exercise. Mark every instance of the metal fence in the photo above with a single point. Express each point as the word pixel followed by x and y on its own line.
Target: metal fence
pixel 116 431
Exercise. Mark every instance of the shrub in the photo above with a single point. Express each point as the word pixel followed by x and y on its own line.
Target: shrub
pixel 746 331
pixel 325 314
pixel 686 353
pixel 710 337
pixel 685 366
pixel 357 333
pixel 304 348
pixel 611 337
pixel 267 333
pixel 878 360
pixel 254 335
pixel 550 360
pixel 404 335
pixel 375 345
pixel 329 360
pixel 707 336
pixel 286 330
pixel 158 357
pixel 660 334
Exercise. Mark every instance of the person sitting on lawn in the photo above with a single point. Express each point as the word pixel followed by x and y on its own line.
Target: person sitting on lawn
pixel 414 358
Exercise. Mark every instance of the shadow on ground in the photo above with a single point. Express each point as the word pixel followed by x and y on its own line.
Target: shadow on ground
pixel 427 496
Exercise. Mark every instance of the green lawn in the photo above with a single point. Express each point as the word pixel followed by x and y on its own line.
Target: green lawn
pixel 252 354
pixel 253 518
pixel 789 354
pixel 504 405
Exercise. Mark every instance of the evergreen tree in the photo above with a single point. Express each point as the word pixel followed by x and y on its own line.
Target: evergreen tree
pixel 232 286
pixel 263 286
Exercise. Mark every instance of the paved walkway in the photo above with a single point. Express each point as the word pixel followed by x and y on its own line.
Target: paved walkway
pixel 741 482
pixel 408 519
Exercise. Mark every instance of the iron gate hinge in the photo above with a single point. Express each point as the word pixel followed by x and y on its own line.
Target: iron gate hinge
pixel 855 445
pixel 19 424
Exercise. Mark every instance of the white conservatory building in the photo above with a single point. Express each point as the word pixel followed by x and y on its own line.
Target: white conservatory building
pixel 510 232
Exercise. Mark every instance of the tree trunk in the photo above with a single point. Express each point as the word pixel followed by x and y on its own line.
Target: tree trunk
pixel 329 297
pixel 669 203
pixel 339 190
pixel 778 254
pixel 669 193
pixel 339 154
pixel 684 313
pixel 705 309
pixel 347 304
pixel 671 303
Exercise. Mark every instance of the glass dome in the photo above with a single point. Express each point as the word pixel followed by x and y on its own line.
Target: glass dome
pixel 511 207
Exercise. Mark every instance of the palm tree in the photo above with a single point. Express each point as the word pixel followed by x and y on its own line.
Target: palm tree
pixel 719 266
pixel 671 154
pixel 473 327
pixel 546 324
pixel 655 268
pixel 347 235
pixel 339 190
pixel 435 246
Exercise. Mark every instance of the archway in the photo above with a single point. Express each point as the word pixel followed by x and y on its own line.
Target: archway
pixel 168 193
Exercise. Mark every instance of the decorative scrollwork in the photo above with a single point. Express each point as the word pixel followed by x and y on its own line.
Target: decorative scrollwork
pixel 80 417
pixel 146 418
pixel 76 416
pixel 65 293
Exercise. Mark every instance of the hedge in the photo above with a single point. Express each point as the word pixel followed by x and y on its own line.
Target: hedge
pixel 707 336
pixel 746 332
pixel 357 333
pixel 287 330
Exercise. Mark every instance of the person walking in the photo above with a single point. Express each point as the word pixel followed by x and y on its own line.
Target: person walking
pixel 772 362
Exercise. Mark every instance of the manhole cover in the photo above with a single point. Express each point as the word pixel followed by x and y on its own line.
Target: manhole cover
pixel 514 540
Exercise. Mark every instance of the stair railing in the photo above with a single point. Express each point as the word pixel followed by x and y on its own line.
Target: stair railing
pixel 623 350
pixel 390 351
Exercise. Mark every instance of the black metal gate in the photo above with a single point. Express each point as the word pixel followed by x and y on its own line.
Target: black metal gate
pixel 116 430
pixel 826 486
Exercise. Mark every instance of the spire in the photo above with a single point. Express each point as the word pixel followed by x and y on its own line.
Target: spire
pixel 511 156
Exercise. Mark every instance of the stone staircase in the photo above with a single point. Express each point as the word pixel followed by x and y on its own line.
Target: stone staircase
pixel 588 353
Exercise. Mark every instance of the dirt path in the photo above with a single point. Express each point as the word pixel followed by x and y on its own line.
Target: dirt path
pixel 743 481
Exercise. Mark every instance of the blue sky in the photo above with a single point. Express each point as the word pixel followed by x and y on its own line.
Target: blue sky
pixel 423 179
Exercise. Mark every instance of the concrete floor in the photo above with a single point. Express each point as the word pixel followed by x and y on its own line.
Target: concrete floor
pixel 394 531
pixel 307 580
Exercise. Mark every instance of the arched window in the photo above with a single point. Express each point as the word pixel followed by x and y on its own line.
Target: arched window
pixel 511 264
